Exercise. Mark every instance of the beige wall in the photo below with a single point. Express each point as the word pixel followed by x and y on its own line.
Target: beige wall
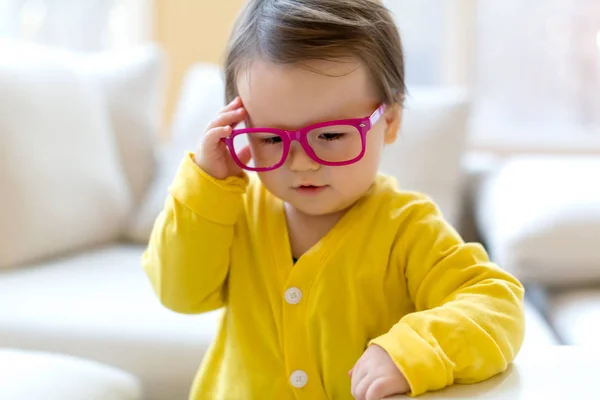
pixel 191 31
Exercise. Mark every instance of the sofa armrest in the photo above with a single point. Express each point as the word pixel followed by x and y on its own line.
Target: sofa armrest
pixel 540 217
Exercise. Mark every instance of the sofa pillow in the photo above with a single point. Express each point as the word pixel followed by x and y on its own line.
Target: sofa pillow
pixel 427 155
pixel 132 82
pixel 540 218
pixel 62 186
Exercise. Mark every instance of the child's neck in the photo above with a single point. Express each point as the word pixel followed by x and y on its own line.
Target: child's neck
pixel 306 230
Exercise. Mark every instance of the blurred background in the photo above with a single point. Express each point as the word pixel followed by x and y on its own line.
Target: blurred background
pixel 534 65
pixel 100 99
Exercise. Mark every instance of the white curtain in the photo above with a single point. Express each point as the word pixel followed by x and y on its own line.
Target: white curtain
pixel 84 25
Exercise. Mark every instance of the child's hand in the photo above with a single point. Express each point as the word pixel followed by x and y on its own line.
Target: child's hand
pixel 213 156
pixel 375 376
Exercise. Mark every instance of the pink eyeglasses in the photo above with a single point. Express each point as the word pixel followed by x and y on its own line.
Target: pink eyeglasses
pixel 332 143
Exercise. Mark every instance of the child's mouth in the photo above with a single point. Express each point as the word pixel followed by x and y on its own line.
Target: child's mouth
pixel 310 189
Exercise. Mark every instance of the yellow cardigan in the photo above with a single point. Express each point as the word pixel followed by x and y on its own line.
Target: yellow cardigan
pixel 391 273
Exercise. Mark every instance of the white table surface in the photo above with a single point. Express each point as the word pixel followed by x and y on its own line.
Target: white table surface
pixel 557 372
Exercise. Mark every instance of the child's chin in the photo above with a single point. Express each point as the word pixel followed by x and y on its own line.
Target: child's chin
pixel 318 209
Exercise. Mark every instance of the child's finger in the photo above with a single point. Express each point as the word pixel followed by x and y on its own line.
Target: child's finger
pixel 380 388
pixel 360 387
pixel 231 106
pixel 358 378
pixel 351 371
pixel 228 118
pixel 214 135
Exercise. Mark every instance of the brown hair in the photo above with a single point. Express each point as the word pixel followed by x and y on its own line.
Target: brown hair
pixel 295 31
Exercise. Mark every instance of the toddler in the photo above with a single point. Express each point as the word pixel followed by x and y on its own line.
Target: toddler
pixel 335 283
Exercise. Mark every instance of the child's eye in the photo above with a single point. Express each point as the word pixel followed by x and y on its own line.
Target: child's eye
pixel 271 140
pixel 330 136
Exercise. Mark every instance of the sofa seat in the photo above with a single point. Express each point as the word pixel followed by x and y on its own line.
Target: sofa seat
pixel 99 305
pixel 28 375
pixel 538 332
pixel 574 314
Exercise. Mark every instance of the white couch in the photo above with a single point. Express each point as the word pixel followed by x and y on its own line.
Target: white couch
pixel 82 290
pixel 540 218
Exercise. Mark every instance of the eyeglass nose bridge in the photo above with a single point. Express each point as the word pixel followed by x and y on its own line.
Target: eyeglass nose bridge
pixel 300 136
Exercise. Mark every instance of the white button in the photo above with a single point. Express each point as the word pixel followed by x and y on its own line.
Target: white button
pixel 299 379
pixel 293 295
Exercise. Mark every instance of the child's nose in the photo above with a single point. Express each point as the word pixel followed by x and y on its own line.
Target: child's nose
pixel 298 160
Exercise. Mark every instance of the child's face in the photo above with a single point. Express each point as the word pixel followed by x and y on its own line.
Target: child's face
pixel 291 97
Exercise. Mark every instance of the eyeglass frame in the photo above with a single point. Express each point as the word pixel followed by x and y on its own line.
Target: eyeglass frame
pixel 363 125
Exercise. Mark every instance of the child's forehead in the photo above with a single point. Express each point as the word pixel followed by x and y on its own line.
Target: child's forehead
pixel 292 96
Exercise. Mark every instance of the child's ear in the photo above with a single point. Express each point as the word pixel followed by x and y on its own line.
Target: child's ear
pixel 393 117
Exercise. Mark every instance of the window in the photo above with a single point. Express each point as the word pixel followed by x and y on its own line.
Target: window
pixel 533 67
pixel 538 68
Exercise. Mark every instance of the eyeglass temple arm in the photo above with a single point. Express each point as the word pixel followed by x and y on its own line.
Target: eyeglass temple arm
pixel 377 114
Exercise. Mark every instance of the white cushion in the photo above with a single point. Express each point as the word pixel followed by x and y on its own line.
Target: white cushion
pixel 60 176
pixel 100 306
pixel 575 315
pixel 132 81
pixel 431 142
pixel 202 96
pixel 540 217
pixel 26 375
